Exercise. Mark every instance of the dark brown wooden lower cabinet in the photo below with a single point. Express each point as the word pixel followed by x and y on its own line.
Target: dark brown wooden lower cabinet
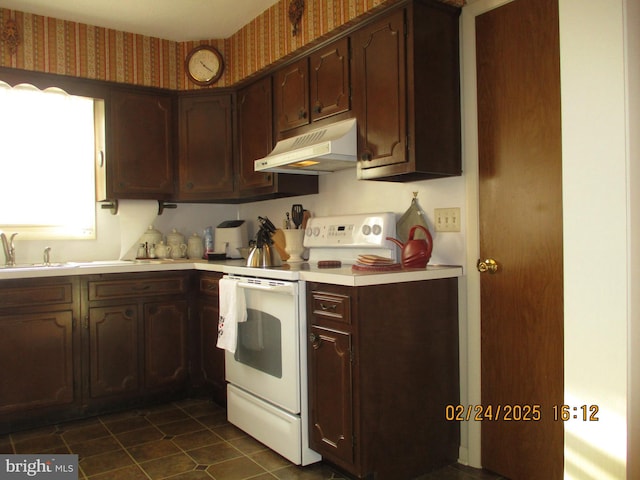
pixel 137 334
pixel 113 350
pixel 36 360
pixel 208 372
pixel 331 374
pixel 165 344
pixel 39 351
pixel 383 366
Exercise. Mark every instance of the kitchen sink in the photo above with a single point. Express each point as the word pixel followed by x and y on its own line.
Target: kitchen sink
pixel 38 266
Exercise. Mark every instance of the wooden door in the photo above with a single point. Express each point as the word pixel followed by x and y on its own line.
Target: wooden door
pixel 330 80
pixel 520 182
pixel 330 394
pixel 255 136
pixel 36 360
pixel 291 95
pixel 113 350
pixel 379 91
pixel 165 344
pixel 205 163
pixel 140 161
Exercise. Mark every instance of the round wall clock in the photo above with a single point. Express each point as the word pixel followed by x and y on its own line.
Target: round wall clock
pixel 204 65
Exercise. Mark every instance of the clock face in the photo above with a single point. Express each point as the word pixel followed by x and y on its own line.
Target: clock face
pixel 204 65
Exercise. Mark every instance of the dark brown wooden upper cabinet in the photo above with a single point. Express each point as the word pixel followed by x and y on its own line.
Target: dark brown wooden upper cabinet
pixel 291 95
pixel 255 136
pixel 140 162
pixel 205 160
pixel 406 94
pixel 330 81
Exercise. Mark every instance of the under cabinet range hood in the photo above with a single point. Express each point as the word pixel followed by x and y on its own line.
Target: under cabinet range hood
pixel 323 150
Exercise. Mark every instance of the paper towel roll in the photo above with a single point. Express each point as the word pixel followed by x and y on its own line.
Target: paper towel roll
pixel 135 218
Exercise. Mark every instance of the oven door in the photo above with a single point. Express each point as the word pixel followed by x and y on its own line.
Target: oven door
pixel 267 358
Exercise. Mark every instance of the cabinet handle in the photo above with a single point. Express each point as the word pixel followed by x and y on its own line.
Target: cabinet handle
pixel 365 156
pixel 128 313
pixel 302 114
pixel 318 107
pixel 315 340
pixel 326 308
pixel 189 186
pixel 140 288
pixel 85 322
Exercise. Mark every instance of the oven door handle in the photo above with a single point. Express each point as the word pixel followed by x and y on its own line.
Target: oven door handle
pixel 286 289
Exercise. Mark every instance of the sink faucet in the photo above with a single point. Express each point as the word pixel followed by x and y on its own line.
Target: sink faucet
pixel 9 249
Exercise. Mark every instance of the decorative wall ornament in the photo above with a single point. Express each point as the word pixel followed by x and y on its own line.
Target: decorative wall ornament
pixel 296 8
pixel 10 35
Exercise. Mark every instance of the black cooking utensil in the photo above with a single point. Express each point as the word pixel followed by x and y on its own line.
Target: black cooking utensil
pixel 297 214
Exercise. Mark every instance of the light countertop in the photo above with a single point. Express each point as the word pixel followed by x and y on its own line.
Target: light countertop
pixel 296 271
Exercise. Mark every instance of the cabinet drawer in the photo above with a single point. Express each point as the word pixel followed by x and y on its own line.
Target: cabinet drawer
pixel 332 307
pixel 209 285
pixel 135 287
pixel 18 296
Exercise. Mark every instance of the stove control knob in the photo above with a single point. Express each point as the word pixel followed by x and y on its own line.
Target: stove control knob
pixel 366 229
pixel 377 229
pixel 316 231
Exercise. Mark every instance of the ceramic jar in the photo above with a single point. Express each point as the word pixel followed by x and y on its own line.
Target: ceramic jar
pixel 195 248
pixel 175 240
pixel 163 251
pixel 151 237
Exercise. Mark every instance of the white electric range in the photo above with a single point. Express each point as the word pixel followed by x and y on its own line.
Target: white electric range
pixel 267 391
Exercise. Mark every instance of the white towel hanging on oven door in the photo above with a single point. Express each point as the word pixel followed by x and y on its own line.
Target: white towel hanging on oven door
pixel 233 309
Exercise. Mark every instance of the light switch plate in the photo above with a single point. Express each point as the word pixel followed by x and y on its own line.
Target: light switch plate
pixel 447 219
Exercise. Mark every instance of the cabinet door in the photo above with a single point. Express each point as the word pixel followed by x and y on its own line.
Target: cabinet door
pixel 291 95
pixel 330 81
pixel 36 361
pixel 331 394
pixel 255 137
pixel 113 350
pixel 211 357
pixel 140 157
pixel 165 344
pixel 379 91
pixel 205 164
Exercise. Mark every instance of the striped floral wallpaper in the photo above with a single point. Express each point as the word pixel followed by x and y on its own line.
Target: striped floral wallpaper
pixel 69 48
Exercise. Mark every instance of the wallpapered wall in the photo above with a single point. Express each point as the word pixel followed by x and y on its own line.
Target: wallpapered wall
pixel 69 48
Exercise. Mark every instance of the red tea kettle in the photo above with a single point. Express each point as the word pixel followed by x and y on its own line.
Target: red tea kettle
pixel 415 252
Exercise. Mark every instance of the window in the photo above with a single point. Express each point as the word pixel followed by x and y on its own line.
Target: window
pixel 47 146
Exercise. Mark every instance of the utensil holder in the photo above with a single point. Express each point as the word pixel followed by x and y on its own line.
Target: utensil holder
pixel 294 244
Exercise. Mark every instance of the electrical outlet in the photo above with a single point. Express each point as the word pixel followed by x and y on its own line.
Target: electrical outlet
pixel 447 219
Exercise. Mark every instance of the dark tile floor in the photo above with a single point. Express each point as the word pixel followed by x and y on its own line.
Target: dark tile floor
pixel 185 440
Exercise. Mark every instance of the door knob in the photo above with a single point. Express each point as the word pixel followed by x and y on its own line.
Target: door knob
pixel 487 265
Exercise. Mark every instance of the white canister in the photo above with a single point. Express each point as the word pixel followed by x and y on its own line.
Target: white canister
pixel 176 241
pixel 151 237
pixel 163 251
pixel 195 248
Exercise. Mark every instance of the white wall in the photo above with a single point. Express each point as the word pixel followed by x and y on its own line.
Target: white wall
pixel 596 249
pixel 633 101
pixel 340 193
